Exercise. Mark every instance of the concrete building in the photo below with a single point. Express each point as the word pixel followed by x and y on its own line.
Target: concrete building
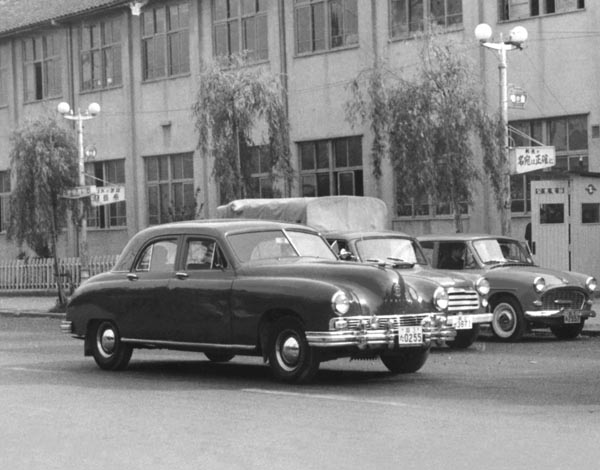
pixel 140 61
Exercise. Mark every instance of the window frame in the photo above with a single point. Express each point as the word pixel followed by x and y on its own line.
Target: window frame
pixel 350 37
pixel 104 49
pixel 109 216
pixel 162 40
pixel 536 8
pixel 422 18
pixel 43 69
pixel 326 167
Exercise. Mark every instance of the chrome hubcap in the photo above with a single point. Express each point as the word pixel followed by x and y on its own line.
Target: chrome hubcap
pixel 107 341
pixel 505 321
pixel 289 352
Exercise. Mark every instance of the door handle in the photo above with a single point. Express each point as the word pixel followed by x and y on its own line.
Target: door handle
pixel 132 277
pixel 181 275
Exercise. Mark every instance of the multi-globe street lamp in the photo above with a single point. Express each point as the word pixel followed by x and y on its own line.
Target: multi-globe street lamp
pixel 92 111
pixel 516 37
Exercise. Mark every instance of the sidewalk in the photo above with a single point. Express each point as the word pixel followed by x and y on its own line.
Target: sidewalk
pixel 33 306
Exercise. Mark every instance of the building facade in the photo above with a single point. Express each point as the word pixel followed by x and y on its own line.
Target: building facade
pixel 141 60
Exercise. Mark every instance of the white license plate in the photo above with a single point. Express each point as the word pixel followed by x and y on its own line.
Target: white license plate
pixel 571 316
pixel 410 335
pixel 462 322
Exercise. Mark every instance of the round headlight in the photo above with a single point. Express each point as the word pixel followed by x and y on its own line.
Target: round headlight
pixel 340 302
pixel 539 284
pixel 483 286
pixel 591 284
pixel 440 298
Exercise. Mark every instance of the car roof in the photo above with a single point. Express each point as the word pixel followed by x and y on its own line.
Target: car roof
pixel 220 226
pixel 351 235
pixel 460 237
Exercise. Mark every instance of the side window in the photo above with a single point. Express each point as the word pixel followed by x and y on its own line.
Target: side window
pixel 451 256
pixel 158 257
pixel 204 254
pixel 427 248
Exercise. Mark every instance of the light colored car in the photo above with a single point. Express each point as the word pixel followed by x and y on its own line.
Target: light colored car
pixel 522 295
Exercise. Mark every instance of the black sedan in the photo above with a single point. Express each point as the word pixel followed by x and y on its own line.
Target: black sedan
pixel 243 287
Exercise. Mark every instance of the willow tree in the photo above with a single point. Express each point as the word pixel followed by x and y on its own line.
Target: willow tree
pixel 233 103
pixel 428 124
pixel 44 159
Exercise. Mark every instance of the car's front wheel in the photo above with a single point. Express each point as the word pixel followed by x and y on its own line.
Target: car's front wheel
pixel 567 331
pixel 406 361
pixel 290 357
pixel 508 323
pixel 464 338
pixel 109 352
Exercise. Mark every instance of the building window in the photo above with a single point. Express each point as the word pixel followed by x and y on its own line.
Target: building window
pixel 100 55
pixel 515 9
pixel 590 213
pixel 568 135
pixel 41 57
pixel 260 184
pixel 331 167
pixel 425 206
pixel 3 75
pixel 410 16
pixel 4 200
pixel 241 26
pixel 325 24
pixel 170 188
pixel 104 174
pixel 165 40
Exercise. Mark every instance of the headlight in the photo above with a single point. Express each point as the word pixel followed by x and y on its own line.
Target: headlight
pixel 483 286
pixel 440 298
pixel 591 284
pixel 340 302
pixel 539 284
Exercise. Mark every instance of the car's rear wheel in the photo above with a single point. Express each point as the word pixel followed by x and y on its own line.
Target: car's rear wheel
pixel 464 338
pixel 567 331
pixel 290 357
pixel 508 323
pixel 219 356
pixel 109 352
pixel 406 361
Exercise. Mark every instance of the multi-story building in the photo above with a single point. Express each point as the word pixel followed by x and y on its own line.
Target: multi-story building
pixel 140 61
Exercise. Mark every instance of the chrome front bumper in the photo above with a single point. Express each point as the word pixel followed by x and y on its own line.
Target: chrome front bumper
pixel 540 314
pixel 381 331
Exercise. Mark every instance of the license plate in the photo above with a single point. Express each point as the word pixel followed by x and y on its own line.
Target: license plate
pixel 571 316
pixel 410 335
pixel 462 322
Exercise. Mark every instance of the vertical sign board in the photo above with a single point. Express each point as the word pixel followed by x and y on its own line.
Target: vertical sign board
pixel 550 219
pixel 585 225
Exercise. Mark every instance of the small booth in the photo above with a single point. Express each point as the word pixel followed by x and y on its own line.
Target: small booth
pixel 565 223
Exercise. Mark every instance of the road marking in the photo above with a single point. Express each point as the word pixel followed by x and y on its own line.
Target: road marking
pixel 317 396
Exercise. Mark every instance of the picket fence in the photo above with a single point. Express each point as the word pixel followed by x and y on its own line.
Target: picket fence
pixel 37 274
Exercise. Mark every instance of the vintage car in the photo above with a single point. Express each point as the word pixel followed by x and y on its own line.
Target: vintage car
pixel 522 295
pixel 243 287
pixel 463 300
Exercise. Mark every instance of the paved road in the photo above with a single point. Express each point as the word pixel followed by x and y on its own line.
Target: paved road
pixel 529 405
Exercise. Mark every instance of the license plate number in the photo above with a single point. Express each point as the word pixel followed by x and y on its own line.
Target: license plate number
pixel 462 322
pixel 571 316
pixel 410 335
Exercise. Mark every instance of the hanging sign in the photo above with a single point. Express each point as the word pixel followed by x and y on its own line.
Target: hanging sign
pixel 526 159
pixel 108 195
pixel 79 192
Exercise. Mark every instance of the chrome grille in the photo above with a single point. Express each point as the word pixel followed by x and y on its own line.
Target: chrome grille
pixel 461 300
pixel 389 321
pixel 563 298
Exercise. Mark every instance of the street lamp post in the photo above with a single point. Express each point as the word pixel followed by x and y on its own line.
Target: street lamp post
pixel 66 111
pixel 516 38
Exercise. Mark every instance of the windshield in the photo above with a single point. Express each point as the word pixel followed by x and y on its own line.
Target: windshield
pixel 403 249
pixel 275 244
pixel 501 251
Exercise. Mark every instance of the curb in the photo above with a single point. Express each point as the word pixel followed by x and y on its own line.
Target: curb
pixel 30 314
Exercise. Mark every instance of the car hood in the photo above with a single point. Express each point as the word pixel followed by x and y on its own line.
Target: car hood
pixel 553 278
pixel 422 274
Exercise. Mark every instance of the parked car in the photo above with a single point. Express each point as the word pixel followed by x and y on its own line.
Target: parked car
pixel 522 295
pixel 462 300
pixel 243 287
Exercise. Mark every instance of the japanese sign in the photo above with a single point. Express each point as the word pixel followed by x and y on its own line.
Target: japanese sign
pixel 108 195
pixel 525 159
pixel 79 192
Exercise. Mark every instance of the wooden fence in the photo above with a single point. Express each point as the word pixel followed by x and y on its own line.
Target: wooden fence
pixel 37 274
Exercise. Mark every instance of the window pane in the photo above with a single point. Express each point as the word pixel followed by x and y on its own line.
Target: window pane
pixel 552 213
pixel 322 149
pixel 558 134
pixel 318 21
pixel 578 133
pixel 340 149
pixel 590 213
pixel 336 23
pixel 346 183
pixel 221 48
pixel 309 186
pixel 323 187
pixel 303 31
pixel 307 156
pixel 220 9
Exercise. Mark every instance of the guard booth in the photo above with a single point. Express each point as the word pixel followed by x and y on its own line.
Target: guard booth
pixel 565 223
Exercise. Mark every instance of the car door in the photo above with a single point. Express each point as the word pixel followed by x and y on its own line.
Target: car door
pixel 143 301
pixel 200 294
